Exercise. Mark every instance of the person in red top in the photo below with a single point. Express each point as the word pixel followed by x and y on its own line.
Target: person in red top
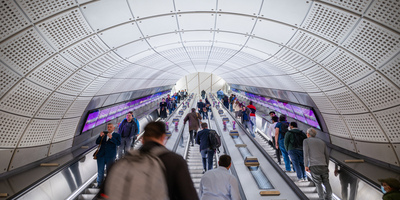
pixel 252 119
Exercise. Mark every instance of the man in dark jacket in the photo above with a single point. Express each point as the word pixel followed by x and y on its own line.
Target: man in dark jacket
pixel 128 131
pixel 107 151
pixel 294 145
pixel 179 182
pixel 194 123
pixel 207 153
pixel 200 106
pixel 203 94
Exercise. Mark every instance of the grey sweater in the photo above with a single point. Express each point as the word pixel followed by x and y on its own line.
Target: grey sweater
pixel 315 152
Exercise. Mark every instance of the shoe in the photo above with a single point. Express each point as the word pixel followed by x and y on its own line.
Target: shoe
pixel 204 171
pixel 305 179
pixel 192 145
pixel 300 180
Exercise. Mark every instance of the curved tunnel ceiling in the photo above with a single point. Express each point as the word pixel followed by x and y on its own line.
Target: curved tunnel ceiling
pixel 56 55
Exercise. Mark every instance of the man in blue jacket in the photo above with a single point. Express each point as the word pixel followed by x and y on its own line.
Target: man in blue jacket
pixel 207 153
pixel 128 131
pixel 107 153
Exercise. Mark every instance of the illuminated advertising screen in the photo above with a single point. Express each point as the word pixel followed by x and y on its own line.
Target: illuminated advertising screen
pixel 281 107
pixel 299 113
pixel 91 120
pixel 112 114
pixel 103 116
pixel 289 110
pixel 310 118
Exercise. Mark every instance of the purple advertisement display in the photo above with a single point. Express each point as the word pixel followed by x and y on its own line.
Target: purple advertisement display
pixel 112 113
pixel 310 118
pixel 91 121
pixel 103 116
pixel 289 110
pixel 275 105
pixel 281 107
pixel 299 113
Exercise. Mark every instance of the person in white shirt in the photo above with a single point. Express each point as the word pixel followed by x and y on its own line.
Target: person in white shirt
pixel 219 183
pixel 271 132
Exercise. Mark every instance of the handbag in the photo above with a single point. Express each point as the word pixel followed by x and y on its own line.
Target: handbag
pixel 97 150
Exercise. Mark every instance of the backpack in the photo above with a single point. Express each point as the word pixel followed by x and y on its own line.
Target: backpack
pixel 298 140
pixel 138 176
pixel 284 128
pixel 214 140
pixel 137 125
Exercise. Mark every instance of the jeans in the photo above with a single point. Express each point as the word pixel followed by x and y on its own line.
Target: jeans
pixel 207 156
pixel 231 107
pixel 125 146
pixel 320 175
pixel 101 162
pixel 205 115
pixel 298 162
pixel 277 151
pixel 347 179
pixel 252 125
pixel 191 138
pixel 281 143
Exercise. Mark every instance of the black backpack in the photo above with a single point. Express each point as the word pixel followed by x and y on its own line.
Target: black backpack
pixel 214 139
pixel 298 140
pixel 284 128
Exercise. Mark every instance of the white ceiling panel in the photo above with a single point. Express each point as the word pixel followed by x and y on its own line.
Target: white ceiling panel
pixel 193 5
pixel 197 36
pixel 196 21
pixel 295 10
pixel 120 35
pixel 106 13
pixel 165 40
pixel 263 46
pixel 133 48
pixel 165 24
pixel 239 6
pixel 273 31
pixel 142 9
pixel 255 52
pixel 235 23
pixel 231 45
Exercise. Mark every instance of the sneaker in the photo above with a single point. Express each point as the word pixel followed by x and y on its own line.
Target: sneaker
pixel 204 171
pixel 305 179
pixel 300 180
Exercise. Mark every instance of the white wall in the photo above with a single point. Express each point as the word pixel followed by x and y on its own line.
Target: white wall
pixel 197 82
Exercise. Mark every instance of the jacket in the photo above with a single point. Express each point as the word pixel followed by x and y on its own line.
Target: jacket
pixel 179 182
pixel 240 114
pixel 202 139
pixel 392 195
pixel 108 149
pixel 201 105
pixel 289 138
pixel 134 129
pixel 194 120
pixel 236 106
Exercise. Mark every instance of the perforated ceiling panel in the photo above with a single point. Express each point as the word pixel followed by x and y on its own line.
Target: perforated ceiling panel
pixel 76 83
pixel 390 122
pixel 55 106
pixel 336 125
pixel 21 101
pixel 66 129
pixel 85 51
pixel 53 72
pixel 329 22
pixel 322 78
pixel 94 86
pixel 101 64
pixel 358 6
pixel 296 60
pixel 77 108
pixel 364 128
pixel 305 83
pixel 386 12
pixel 346 66
pixel 39 10
pixel 392 70
pixel 12 19
pixel 39 132
pixel 377 92
pixel 8 78
pixel 345 101
pixel 12 127
pixel 25 51
pixel 311 46
pixel 65 29
pixel 373 43
pixel 323 103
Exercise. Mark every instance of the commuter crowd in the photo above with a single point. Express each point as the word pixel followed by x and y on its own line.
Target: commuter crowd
pixel 154 172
